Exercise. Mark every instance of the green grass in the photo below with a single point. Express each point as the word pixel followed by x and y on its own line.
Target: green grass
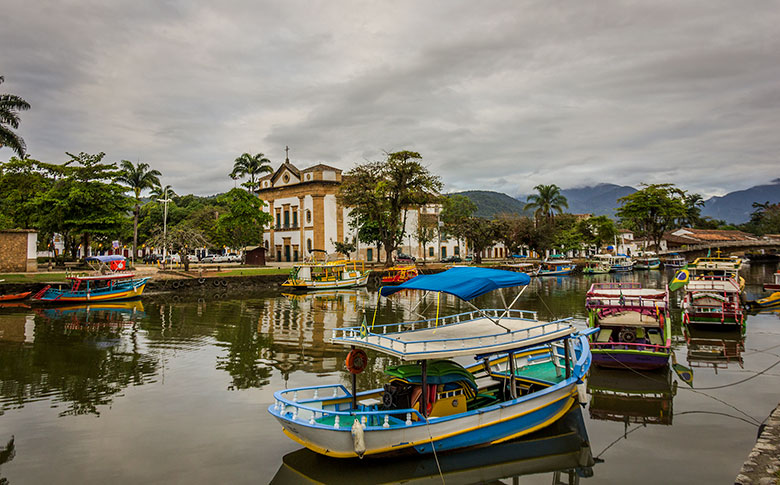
pixel 251 271
pixel 33 277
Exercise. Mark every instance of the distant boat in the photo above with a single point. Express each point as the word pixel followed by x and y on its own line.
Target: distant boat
pixel 622 263
pixel 674 260
pixel 647 261
pixel 399 273
pixel 555 265
pixel 598 264
pixel 328 276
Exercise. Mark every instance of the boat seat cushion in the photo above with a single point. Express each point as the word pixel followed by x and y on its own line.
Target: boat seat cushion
pixel 604 335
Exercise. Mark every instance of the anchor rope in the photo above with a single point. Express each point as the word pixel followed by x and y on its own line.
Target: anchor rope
pixel 433 447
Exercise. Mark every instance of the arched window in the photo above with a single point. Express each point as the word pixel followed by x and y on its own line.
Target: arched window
pixel 308 216
pixel 308 245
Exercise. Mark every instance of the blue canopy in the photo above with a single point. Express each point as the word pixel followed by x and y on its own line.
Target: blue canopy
pixel 464 282
pixel 106 259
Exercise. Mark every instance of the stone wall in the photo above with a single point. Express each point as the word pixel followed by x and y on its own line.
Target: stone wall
pixel 15 255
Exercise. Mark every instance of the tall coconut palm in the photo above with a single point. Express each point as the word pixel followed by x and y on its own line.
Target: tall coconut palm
pixel 137 177
pixel 10 105
pixel 546 202
pixel 252 165
pixel 160 192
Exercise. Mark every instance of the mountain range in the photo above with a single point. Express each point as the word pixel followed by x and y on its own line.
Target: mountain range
pixel 602 199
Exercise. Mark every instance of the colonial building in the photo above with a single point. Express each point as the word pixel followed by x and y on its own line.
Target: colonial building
pixel 307 215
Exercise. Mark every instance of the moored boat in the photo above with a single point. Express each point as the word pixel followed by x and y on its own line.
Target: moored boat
pixel 647 261
pixel 328 276
pixel 717 268
pixel 14 296
pixel 109 284
pixel 399 273
pixel 713 301
pixel 555 266
pixel 775 284
pixel 598 264
pixel 622 263
pixel 634 330
pixel 525 378
pixel 674 260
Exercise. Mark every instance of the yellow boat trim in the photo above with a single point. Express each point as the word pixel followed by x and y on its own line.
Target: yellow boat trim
pixel 114 296
pixel 324 451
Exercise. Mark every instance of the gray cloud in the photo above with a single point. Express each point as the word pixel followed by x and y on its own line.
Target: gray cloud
pixel 500 98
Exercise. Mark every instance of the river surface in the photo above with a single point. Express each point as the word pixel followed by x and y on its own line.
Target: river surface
pixel 175 389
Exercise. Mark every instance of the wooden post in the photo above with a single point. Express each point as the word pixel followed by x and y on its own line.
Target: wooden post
pixel 566 356
pixel 424 395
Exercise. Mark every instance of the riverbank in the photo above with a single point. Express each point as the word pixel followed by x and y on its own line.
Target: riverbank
pixel 763 464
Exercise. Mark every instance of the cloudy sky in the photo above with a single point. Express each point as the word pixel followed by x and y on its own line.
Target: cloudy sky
pixel 494 95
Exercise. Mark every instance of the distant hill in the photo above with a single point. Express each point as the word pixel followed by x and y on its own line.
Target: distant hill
pixel 736 207
pixel 599 200
pixel 490 204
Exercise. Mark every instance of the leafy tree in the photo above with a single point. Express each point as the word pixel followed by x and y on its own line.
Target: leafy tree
pixel 693 204
pixel 456 210
pixel 514 231
pixel 367 232
pixel 252 165
pixel 344 248
pixel 179 239
pixel 244 221
pixel 480 234
pixel 10 105
pixel 427 227
pixel 85 201
pixel 546 202
pixel 652 211
pixel 596 231
pixel 383 192
pixel 137 177
pixel 765 219
pixel 21 181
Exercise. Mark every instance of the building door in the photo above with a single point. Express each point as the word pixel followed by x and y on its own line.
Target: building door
pixel 443 252
pixel 369 254
pixel 287 253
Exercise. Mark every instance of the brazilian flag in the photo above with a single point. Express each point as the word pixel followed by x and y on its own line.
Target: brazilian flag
pixel 680 279
pixel 364 328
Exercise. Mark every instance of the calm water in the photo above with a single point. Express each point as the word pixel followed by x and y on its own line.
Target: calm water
pixel 175 389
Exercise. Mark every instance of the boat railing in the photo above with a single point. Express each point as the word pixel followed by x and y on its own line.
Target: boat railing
pixel 615 286
pixel 306 403
pixel 475 342
pixel 631 346
pixel 628 303
pixel 448 320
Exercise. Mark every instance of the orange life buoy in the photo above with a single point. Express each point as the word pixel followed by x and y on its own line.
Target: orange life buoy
pixel 356 361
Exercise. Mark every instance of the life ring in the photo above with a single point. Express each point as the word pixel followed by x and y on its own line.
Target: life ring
pixel 356 361
pixel 201 280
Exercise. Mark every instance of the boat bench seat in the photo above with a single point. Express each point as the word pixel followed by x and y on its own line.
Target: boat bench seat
pixel 604 335
pixel 485 382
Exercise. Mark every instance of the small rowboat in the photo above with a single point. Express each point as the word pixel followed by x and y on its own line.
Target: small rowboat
pixel 525 378
pixel 398 274
pixel 14 296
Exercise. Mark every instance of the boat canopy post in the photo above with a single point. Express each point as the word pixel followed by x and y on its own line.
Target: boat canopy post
pixel 511 304
pixel 566 357
pixel 482 312
pixel 424 394
pixel 512 388
pixel 354 387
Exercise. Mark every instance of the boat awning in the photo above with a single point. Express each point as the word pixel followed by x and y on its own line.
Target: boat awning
pixel 106 259
pixel 464 282
pixel 479 336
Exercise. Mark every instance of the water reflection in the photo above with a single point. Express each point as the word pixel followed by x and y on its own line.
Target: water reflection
pixel 562 451
pixel 716 349
pixel 631 397
pixel 77 357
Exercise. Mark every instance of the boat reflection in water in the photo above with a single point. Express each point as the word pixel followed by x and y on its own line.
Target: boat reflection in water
pixel 562 450
pixel 714 348
pixel 624 396
pixel 98 314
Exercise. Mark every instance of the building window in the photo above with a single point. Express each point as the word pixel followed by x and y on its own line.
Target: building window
pixel 457 250
pixel 278 220
pixel 430 251
pixel 444 251
pixel 308 217
pixel 285 178
pixel 295 257
pixel 286 219
pixel 369 254
pixel 308 245
pixel 295 217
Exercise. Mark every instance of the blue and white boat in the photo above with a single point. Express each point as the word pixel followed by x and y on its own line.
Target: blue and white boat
pixel 555 265
pixel 622 263
pixel 525 377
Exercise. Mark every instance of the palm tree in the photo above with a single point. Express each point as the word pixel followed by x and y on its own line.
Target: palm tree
pixel 160 192
pixel 546 202
pixel 252 165
pixel 138 177
pixel 10 105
